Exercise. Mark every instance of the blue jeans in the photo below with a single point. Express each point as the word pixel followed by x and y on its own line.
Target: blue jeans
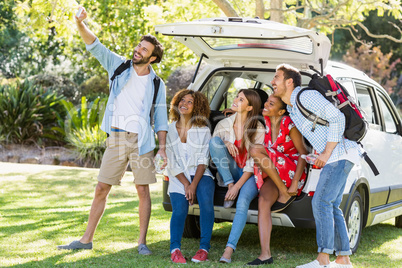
pixel 330 224
pixel 205 196
pixel 231 173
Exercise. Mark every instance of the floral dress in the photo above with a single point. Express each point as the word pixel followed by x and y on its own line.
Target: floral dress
pixel 283 154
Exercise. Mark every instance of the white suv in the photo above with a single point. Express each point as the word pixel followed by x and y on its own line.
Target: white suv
pixel 243 53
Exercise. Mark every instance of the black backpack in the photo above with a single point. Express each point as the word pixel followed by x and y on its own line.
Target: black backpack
pixel 355 124
pixel 124 66
pixel 335 93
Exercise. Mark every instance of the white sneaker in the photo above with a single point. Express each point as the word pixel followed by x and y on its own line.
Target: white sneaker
pixel 337 265
pixel 313 264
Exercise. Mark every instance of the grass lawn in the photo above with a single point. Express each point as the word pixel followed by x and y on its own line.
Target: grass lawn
pixel 45 206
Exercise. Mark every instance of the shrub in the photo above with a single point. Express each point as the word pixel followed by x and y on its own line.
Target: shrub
pixel 62 85
pixel 96 86
pixel 89 143
pixel 28 112
pixel 88 114
pixel 81 128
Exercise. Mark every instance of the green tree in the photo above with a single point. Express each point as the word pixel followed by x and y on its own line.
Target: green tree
pixel 325 16
pixel 118 24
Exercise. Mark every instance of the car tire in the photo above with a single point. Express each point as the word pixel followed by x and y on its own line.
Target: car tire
pixel 192 227
pixel 398 221
pixel 354 221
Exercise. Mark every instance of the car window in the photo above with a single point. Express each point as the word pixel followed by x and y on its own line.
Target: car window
pixel 301 44
pixel 238 84
pixel 212 86
pixel 367 104
pixel 223 86
pixel 389 122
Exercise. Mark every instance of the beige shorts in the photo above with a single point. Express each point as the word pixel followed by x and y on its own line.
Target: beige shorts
pixel 121 150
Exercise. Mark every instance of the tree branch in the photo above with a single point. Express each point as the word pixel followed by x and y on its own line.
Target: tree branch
pixel 226 7
pixel 53 8
pixel 379 35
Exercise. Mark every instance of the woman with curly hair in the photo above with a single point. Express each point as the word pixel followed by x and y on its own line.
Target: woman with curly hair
pixel 189 178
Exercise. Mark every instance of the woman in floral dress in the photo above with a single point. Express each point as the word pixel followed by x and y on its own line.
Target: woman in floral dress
pixel 278 167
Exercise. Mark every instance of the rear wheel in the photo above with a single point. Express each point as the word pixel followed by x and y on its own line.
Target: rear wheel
pixel 398 221
pixel 354 221
pixel 192 227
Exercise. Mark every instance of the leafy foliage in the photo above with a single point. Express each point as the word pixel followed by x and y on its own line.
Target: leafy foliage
pixel 23 54
pixel 89 143
pixel 94 87
pixel 62 85
pixel 374 63
pixel 28 112
pixel 86 115
pixel 118 25
pixel 81 129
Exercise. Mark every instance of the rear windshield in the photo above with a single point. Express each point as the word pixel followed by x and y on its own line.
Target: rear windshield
pixel 222 87
pixel 298 44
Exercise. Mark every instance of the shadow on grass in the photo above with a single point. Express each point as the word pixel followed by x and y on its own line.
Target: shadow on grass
pixel 290 247
pixel 53 206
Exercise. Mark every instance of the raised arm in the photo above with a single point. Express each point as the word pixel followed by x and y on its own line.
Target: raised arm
pixel 87 35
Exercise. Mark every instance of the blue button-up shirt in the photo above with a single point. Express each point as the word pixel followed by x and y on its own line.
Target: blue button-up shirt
pixel 316 103
pixel 146 136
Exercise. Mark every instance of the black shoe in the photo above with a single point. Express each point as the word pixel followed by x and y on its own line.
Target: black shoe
pixel 278 206
pixel 260 262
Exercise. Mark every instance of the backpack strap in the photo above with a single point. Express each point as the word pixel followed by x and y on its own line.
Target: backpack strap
pixel 157 82
pixel 122 67
pixel 308 114
pixel 369 161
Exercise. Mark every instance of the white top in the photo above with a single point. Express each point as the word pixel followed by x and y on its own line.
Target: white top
pixel 185 157
pixel 224 130
pixel 128 105
pixel 352 155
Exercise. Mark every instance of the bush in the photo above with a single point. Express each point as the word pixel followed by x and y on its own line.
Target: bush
pixel 89 143
pixel 81 128
pixel 181 78
pixel 96 86
pixel 61 85
pixel 28 112
pixel 88 114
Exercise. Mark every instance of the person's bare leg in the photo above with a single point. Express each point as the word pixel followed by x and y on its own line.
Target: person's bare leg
pixel 98 207
pixel 268 195
pixel 227 254
pixel 263 161
pixel 343 260
pixel 323 258
pixel 294 186
pixel 144 210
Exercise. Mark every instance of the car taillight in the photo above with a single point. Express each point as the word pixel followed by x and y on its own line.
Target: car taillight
pixel 310 194
pixel 165 178
pixel 315 167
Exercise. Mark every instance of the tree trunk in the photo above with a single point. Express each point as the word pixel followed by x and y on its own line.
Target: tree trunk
pixel 259 9
pixel 226 7
pixel 276 11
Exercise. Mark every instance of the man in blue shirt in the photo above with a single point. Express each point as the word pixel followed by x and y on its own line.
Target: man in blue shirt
pixel 128 124
pixel 337 156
